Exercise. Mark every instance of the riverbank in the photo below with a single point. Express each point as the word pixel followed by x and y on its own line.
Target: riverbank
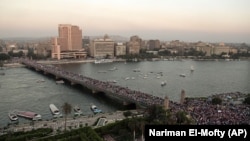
pixel 57 124
pixel 13 65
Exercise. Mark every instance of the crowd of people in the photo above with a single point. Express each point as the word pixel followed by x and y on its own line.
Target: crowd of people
pixel 201 109
pixel 138 97
pixel 229 112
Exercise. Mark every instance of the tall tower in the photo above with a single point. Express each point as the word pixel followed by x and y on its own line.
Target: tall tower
pixel 166 103
pixel 70 37
pixel 182 96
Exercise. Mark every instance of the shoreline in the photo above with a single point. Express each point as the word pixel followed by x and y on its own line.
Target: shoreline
pixel 58 123
pixel 230 101
pixel 54 62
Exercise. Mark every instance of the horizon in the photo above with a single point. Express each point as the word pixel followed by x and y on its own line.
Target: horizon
pixel 119 36
pixel 189 21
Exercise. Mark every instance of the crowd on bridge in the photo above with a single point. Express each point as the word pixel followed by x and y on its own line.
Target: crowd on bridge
pixel 124 92
pixel 202 110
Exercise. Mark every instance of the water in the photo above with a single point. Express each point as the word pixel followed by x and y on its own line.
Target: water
pixel 19 90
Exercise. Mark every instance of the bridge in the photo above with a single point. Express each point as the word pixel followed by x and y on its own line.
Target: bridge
pixel 124 95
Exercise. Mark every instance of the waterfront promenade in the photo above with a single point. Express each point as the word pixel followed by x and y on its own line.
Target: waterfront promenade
pixel 57 124
pixel 231 112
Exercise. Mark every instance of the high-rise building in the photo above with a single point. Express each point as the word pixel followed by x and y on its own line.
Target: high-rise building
pixel 134 45
pixel 70 37
pixel 69 43
pixel 153 44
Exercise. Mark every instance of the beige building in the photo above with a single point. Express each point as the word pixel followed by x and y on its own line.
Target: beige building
pixel 204 47
pixel 221 48
pixel 134 45
pixel 153 44
pixel 70 37
pixel 68 44
pixel 120 49
pixel 101 48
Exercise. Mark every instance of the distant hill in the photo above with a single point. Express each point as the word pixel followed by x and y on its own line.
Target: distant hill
pixel 26 39
pixel 116 38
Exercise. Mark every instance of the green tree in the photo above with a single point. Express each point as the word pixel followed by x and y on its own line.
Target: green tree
pixel 156 114
pixel 127 113
pixel 182 118
pixel 4 56
pixel 247 100
pixel 66 110
pixel 216 100
pixel 1 64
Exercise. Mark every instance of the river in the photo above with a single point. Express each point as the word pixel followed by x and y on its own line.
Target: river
pixel 19 88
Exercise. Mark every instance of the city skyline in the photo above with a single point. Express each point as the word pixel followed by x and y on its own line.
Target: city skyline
pixel 210 21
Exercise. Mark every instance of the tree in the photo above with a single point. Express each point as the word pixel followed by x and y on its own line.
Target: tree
pixel 1 64
pixel 182 118
pixel 4 56
pixel 156 114
pixel 247 100
pixel 216 100
pixel 66 110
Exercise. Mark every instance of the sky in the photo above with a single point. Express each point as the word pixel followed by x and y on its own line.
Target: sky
pixel 185 20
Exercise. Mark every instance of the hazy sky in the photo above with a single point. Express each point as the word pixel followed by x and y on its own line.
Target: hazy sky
pixel 187 20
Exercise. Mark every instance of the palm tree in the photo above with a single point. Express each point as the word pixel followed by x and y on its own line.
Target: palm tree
pixel 66 110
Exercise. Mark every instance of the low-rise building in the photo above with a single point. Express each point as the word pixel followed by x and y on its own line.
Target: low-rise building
pixel 120 49
pixel 101 48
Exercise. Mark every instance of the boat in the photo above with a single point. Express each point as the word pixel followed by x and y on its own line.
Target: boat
pixel 28 115
pixel 102 71
pixel 77 110
pixel 94 109
pixel 127 78
pixel 40 81
pixel 112 81
pixel 54 109
pixel 13 116
pixel 192 68
pixel 182 75
pixel 99 61
pixel 137 70
pixel 113 69
pixel 163 83
pixel 59 82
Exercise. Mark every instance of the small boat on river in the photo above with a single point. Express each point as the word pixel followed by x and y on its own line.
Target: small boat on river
pixel 54 109
pixel 182 75
pixel 163 83
pixel 28 115
pixel 77 110
pixel 13 116
pixel 59 82
pixel 94 109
